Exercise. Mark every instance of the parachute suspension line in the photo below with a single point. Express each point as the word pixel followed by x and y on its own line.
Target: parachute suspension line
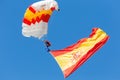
pixel 43 38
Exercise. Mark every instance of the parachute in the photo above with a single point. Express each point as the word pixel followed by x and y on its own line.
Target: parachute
pixel 36 17
pixel 71 58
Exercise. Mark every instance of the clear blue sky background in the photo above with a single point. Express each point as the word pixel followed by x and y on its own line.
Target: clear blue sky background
pixel 24 58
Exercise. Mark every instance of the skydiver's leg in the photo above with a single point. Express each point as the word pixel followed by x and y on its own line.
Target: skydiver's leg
pixel 48 50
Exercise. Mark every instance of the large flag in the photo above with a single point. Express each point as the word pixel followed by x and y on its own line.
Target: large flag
pixel 72 57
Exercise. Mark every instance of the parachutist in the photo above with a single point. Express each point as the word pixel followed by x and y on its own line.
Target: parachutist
pixel 47 44
pixel 58 9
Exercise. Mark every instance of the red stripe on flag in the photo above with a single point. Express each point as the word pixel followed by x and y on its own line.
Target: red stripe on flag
pixel 26 21
pixel 71 69
pixel 56 53
pixel 94 30
pixel 70 48
pixel 31 9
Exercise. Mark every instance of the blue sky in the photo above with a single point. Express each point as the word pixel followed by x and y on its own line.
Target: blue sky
pixel 24 58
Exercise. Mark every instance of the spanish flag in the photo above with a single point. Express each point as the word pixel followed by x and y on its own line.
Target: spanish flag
pixel 72 57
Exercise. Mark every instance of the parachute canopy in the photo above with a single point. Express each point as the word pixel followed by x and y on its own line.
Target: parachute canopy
pixel 72 57
pixel 36 17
